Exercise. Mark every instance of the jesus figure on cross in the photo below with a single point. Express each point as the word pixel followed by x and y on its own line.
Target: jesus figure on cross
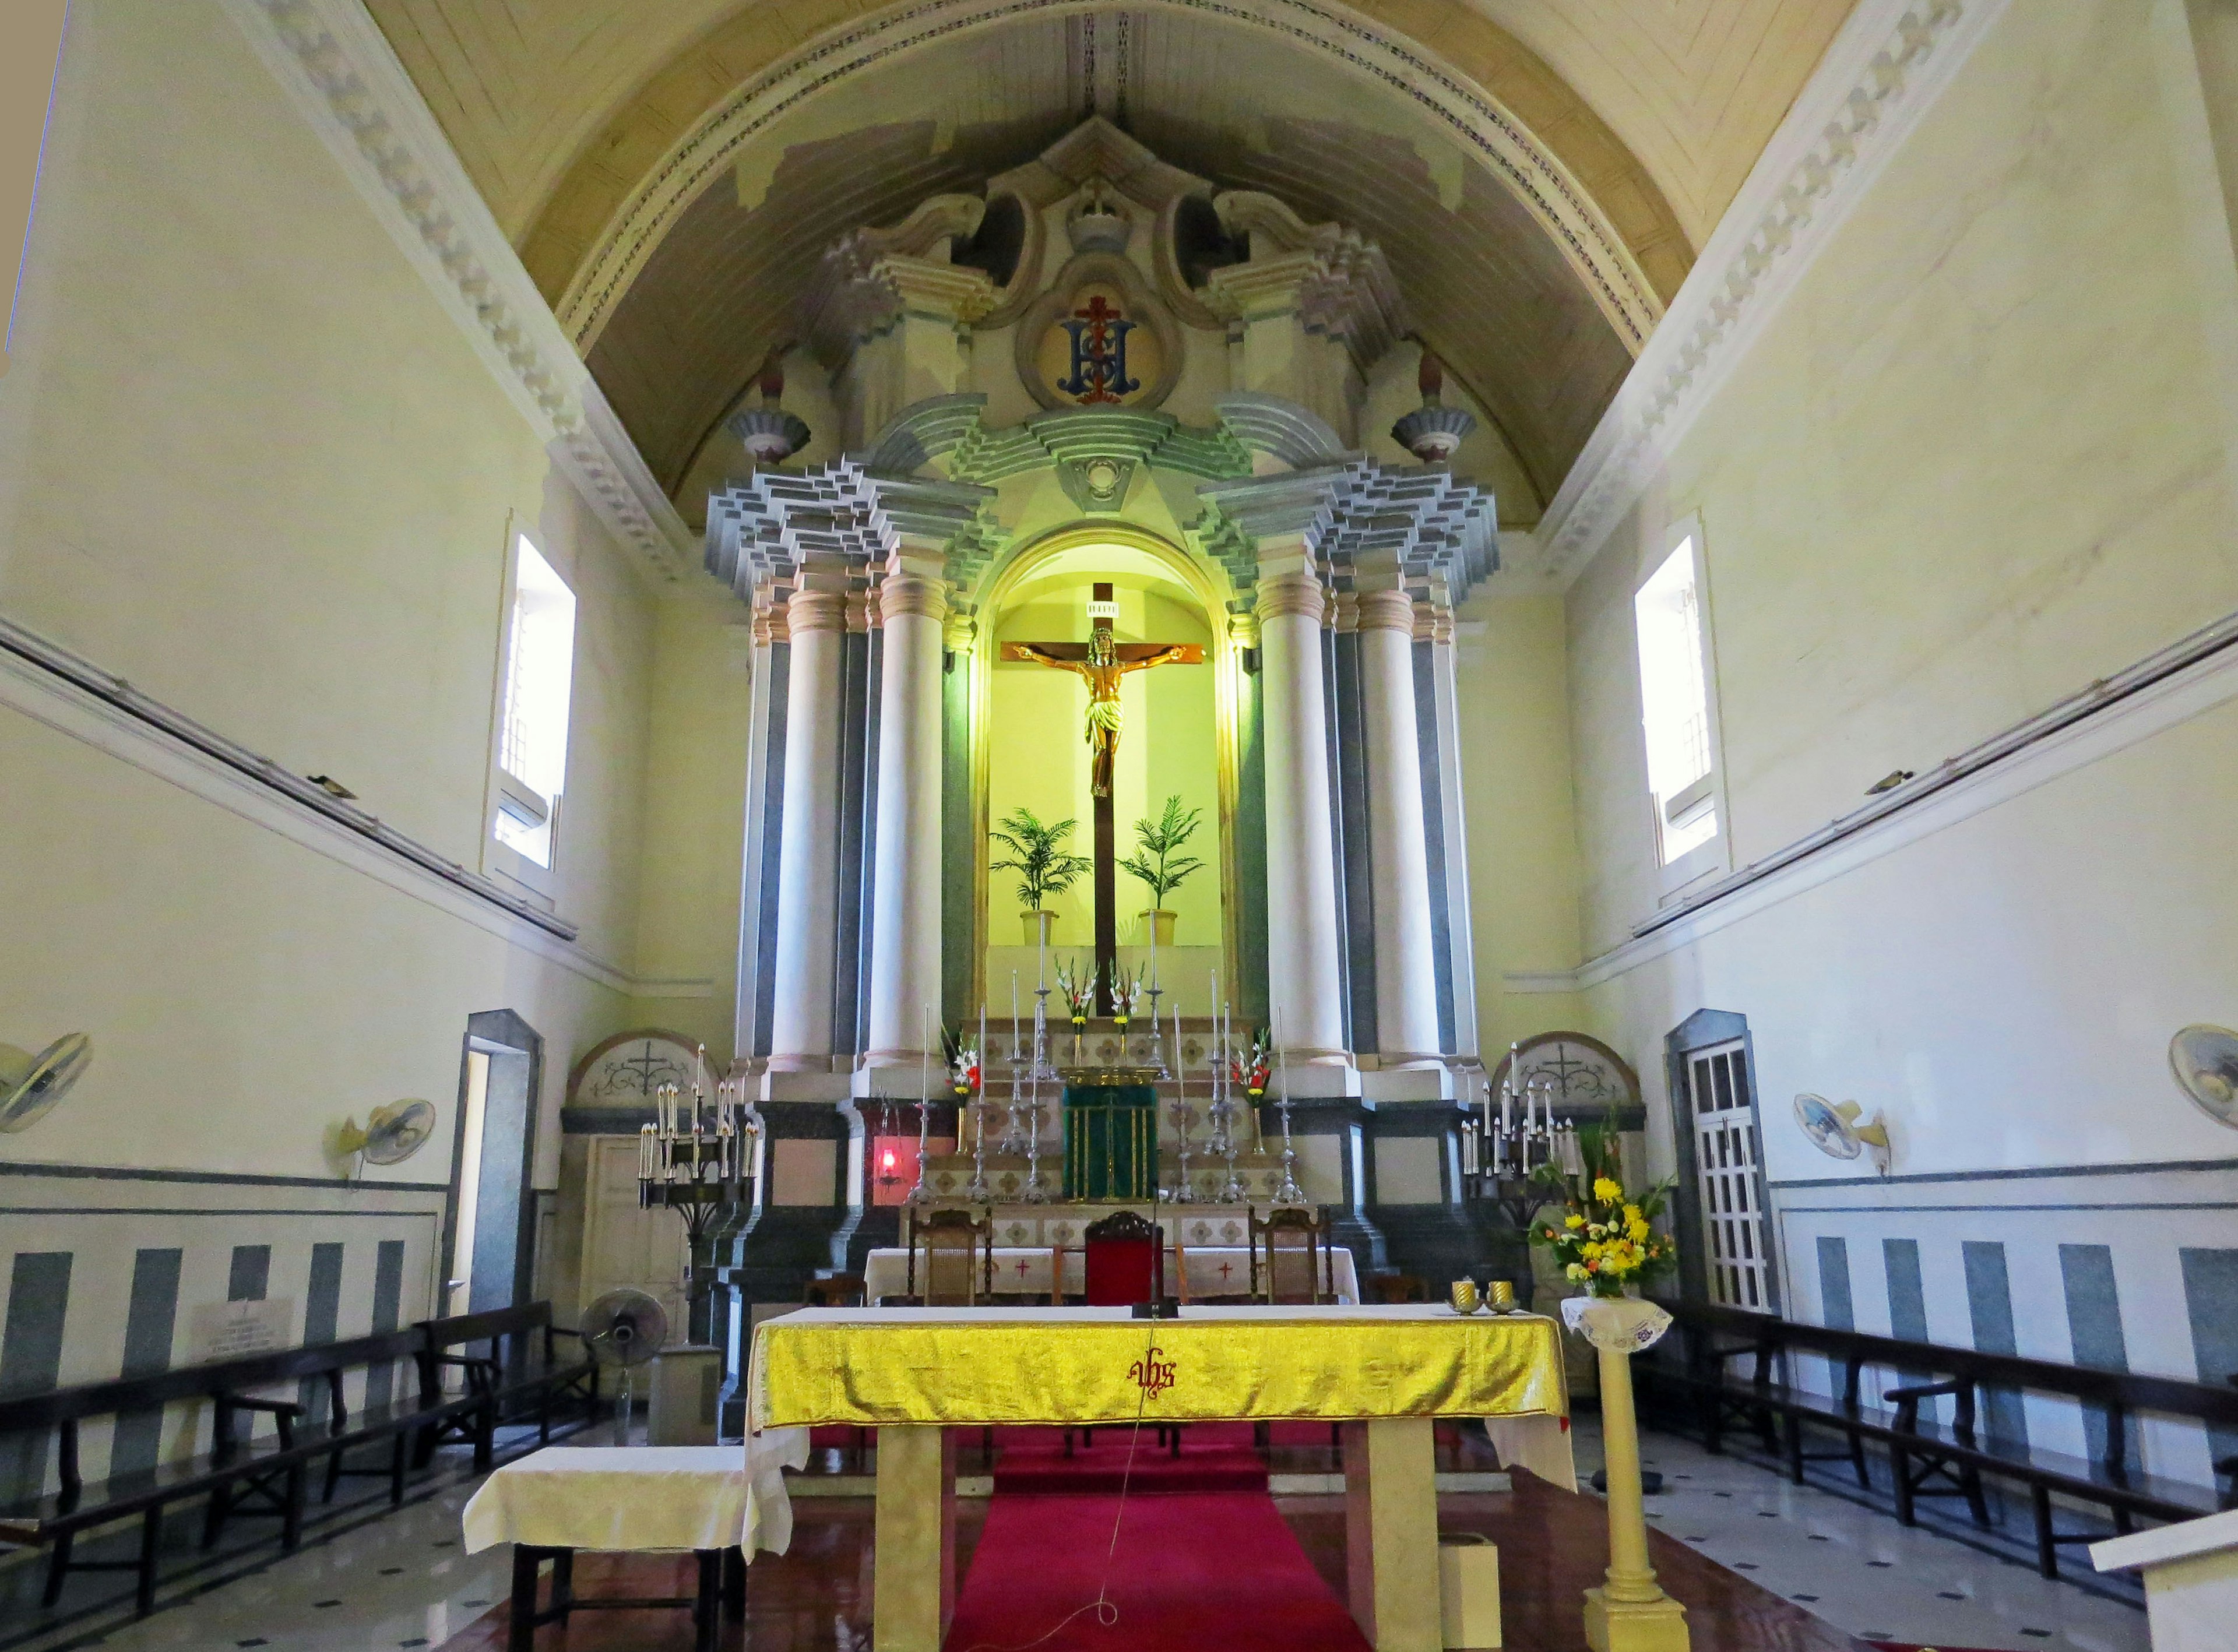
pixel 1101 671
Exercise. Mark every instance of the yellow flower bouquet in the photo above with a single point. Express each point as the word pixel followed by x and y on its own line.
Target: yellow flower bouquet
pixel 1605 1237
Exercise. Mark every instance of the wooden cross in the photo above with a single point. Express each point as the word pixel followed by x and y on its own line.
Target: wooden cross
pixel 1101 662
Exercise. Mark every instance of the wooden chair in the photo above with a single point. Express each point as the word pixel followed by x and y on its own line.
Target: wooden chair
pixel 834 1291
pixel 1289 1261
pixel 1125 1261
pixel 1391 1289
pixel 958 1268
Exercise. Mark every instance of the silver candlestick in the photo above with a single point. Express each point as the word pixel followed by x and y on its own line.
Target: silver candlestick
pixel 1035 1193
pixel 976 1189
pixel 1289 1192
pixel 1183 1116
pixel 918 1193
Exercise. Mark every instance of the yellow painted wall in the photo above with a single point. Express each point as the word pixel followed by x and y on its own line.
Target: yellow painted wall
pixel 1512 703
pixel 695 785
pixel 1975 461
pixel 248 462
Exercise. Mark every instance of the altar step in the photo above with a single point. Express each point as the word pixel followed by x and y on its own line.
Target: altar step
pixel 1302 1461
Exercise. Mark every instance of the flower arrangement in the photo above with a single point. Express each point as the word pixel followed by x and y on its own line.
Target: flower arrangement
pixel 962 1064
pixel 1077 988
pixel 1127 994
pixel 1605 1237
pixel 1252 1069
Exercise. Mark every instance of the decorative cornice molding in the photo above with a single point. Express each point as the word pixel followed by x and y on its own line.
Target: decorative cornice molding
pixel 1486 129
pixel 339 70
pixel 2187 679
pixel 1884 71
pixel 76 698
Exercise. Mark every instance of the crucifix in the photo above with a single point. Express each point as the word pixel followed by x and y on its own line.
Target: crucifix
pixel 1101 662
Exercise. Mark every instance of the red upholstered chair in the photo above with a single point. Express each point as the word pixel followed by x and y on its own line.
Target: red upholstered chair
pixel 1125 1264
pixel 1126 1261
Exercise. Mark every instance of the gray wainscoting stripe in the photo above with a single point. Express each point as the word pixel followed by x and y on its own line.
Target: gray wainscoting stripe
pixel 2094 1327
pixel 2211 1297
pixel 251 1273
pixel 1907 1305
pixel 1907 1297
pixel 387 1313
pixel 150 1324
pixel 1989 1306
pixel 1835 1306
pixel 322 1305
pixel 31 1357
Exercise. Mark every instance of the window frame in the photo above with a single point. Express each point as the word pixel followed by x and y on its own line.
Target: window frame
pixel 1713 858
pixel 500 859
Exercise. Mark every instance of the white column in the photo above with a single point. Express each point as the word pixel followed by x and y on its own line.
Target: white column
pixel 808 847
pixel 905 911
pixel 1406 972
pixel 1303 979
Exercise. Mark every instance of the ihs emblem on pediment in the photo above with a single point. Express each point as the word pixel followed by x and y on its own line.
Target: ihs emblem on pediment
pixel 1099 337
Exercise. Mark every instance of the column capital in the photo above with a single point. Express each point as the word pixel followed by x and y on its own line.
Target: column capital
pixel 1291 593
pixel 815 611
pixel 1387 610
pixel 963 630
pixel 903 594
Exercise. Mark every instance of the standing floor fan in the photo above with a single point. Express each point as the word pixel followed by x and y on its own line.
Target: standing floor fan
pixel 625 1328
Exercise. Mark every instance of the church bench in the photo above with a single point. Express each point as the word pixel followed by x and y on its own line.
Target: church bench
pixel 1929 1456
pixel 271 1472
pixel 520 1372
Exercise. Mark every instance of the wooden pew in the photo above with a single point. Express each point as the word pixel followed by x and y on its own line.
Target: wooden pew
pixel 1928 1458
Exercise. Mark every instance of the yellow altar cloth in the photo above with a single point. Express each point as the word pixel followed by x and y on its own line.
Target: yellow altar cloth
pixel 1054 1366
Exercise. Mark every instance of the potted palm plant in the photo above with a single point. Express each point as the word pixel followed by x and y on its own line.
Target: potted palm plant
pixel 1157 861
pixel 1045 866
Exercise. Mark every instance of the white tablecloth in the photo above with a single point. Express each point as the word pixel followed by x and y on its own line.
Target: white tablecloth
pixel 1025 1271
pixel 642 1497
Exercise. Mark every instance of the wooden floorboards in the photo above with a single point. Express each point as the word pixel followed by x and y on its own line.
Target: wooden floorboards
pixel 1552 1546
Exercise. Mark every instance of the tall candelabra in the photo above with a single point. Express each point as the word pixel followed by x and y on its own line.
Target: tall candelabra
pixel 701 1161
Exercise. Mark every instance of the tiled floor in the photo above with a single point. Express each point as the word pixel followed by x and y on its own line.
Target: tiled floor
pixel 403 1581
pixel 1860 1570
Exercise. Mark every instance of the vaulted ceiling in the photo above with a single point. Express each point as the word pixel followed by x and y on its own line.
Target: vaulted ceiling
pixel 531 91
pixel 571 115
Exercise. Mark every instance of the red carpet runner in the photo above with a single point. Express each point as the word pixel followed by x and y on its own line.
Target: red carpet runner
pixel 1203 1560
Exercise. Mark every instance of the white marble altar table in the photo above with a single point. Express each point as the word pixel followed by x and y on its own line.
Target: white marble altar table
pixel 1023 1271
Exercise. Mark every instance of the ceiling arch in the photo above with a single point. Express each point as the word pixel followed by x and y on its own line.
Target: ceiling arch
pixel 806 84
pixel 556 110
pixel 1491 290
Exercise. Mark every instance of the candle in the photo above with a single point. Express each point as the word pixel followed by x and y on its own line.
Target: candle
pixel 1014 1022
pixel 645 1155
pixel 979 1055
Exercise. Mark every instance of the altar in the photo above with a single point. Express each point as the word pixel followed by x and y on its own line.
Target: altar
pixel 1385 1373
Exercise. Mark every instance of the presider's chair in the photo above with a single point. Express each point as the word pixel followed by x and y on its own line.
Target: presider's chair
pixel 956 1269
pixel 1290 1264
pixel 1124 1264
pixel 1287 1257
